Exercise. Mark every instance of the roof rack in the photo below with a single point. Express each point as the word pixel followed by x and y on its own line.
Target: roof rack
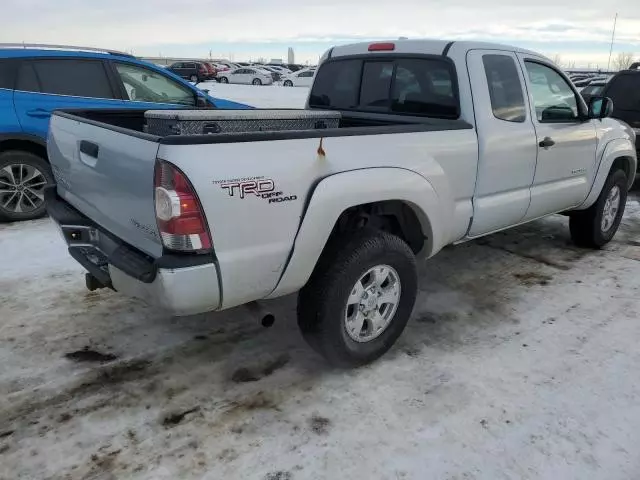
pixel 45 46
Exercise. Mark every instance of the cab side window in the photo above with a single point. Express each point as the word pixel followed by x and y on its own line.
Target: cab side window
pixel 505 89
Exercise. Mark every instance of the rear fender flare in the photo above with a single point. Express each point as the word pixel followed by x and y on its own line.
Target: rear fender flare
pixel 618 148
pixel 335 194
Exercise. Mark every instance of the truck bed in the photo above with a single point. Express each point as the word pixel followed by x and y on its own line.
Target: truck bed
pixel 131 122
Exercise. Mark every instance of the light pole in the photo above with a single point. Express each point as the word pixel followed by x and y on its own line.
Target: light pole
pixel 613 36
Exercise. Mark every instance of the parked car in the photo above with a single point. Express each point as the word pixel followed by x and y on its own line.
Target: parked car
pixel 301 78
pixel 294 67
pixel 228 65
pixel 279 69
pixel 35 80
pixel 594 88
pixel 624 90
pixel 249 76
pixel 193 71
pixel 342 214
pixel 213 71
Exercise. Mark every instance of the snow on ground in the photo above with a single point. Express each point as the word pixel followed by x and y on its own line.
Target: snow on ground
pixel 520 362
pixel 267 96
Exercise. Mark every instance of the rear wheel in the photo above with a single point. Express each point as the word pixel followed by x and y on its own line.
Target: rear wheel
pixel 223 80
pixel 257 81
pixel 359 298
pixel 23 177
pixel 596 226
pixel 288 83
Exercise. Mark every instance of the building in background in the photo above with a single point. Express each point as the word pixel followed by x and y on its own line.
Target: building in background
pixel 291 58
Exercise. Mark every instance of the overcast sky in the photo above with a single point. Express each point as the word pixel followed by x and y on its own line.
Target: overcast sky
pixel 578 30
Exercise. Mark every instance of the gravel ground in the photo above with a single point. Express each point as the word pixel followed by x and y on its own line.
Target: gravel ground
pixel 520 361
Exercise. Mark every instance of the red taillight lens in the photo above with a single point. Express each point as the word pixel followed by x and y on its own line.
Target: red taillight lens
pixel 382 47
pixel 179 215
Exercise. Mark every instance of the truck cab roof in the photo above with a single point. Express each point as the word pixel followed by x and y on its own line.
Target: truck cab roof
pixel 424 47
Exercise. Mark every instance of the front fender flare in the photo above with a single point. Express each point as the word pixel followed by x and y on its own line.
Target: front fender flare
pixel 615 149
pixel 336 193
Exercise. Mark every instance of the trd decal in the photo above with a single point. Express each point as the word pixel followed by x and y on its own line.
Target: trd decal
pixel 242 189
pixel 261 187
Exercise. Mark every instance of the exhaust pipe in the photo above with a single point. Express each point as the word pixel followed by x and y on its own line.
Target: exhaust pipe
pixel 267 319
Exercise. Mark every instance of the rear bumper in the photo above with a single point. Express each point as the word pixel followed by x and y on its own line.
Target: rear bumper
pixel 181 284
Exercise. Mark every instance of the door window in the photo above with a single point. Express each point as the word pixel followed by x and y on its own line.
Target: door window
pixel 27 80
pixel 554 100
pixel 144 85
pixel 376 83
pixel 305 74
pixel 6 74
pixel 70 77
pixel 505 89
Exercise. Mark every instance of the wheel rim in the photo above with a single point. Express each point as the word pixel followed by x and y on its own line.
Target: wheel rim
pixel 256 82
pixel 288 84
pixel 372 303
pixel 21 188
pixel 611 208
pixel 194 78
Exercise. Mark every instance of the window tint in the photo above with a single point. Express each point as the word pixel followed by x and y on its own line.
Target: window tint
pixel 176 65
pixel 27 80
pixel 425 87
pixel 553 98
pixel 337 85
pixel 7 72
pixel 145 85
pixel 306 74
pixel 505 89
pixel 77 78
pixel 376 83
pixel 624 90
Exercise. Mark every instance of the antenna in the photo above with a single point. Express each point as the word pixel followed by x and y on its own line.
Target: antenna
pixel 613 36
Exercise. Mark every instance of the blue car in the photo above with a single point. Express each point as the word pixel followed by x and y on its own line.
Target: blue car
pixel 36 80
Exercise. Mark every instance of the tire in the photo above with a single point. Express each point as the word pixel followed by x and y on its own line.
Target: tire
pixel 288 83
pixel 194 78
pixel 587 227
pixel 257 81
pixel 224 80
pixel 28 201
pixel 323 303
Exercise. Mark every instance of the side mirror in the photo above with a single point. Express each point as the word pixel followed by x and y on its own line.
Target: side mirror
pixel 600 107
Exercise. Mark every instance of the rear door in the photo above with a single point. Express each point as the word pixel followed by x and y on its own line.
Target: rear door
pixel 566 160
pixel 506 140
pixel 244 75
pixel 47 84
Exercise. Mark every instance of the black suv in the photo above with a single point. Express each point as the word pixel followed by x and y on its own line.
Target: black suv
pixel 192 71
pixel 624 90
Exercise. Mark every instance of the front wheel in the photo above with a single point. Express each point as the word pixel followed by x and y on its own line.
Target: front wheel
pixel 596 226
pixel 288 83
pixel 359 298
pixel 23 177
pixel 224 80
pixel 257 81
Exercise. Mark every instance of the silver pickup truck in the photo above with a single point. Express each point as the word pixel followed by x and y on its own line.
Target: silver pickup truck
pixel 439 142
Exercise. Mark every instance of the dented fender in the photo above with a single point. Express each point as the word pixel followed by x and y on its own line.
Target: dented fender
pixel 336 193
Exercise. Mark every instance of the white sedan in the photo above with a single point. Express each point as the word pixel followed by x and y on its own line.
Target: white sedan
pixel 246 75
pixel 301 78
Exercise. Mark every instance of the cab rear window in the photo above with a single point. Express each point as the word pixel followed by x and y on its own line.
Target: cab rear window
pixel 410 86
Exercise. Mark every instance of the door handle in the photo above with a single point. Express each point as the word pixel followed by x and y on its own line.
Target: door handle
pixel 547 142
pixel 39 113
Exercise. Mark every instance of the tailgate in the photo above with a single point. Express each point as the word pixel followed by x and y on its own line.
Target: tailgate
pixel 107 174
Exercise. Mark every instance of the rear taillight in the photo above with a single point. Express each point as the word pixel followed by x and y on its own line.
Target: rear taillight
pixel 179 215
